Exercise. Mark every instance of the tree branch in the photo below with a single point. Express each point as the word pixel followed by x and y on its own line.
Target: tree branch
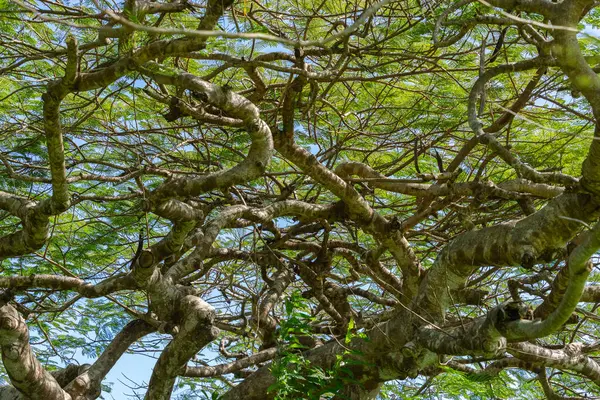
pixel 24 370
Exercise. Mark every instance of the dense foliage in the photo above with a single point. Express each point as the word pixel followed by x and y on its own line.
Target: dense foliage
pixel 300 198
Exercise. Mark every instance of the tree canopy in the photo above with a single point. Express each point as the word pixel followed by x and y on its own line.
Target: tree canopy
pixel 300 199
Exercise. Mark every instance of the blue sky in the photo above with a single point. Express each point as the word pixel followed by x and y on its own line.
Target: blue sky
pixel 131 369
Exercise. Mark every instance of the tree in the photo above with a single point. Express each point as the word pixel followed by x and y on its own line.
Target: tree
pixel 300 199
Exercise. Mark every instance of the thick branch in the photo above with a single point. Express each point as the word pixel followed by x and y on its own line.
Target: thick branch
pixel 507 244
pixel 222 369
pixel 87 384
pixel 24 370
pixel 58 282
pixel 259 154
pixel 580 267
pixel 570 358
pixel 195 332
